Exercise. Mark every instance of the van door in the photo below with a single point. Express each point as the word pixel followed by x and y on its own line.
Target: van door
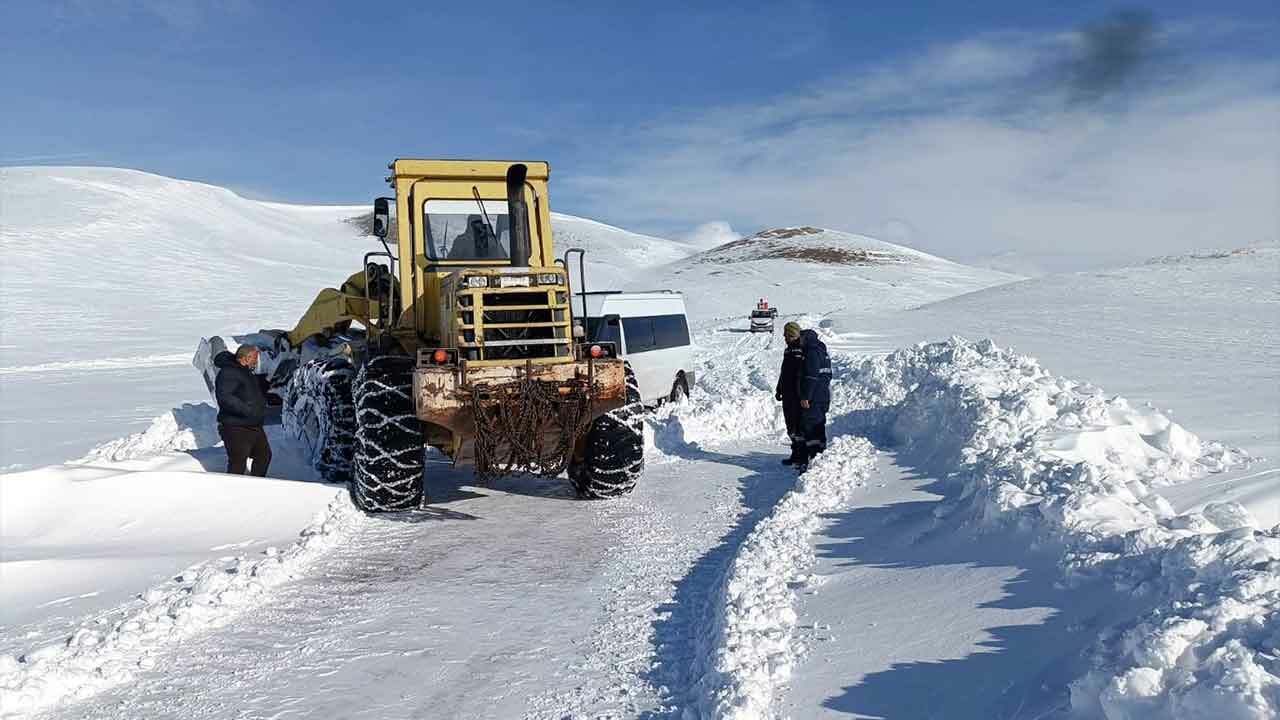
pixel 658 349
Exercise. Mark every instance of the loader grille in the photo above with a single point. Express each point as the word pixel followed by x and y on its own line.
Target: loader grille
pixel 503 324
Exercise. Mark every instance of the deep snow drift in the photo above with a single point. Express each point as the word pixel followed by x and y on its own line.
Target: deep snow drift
pixel 85 537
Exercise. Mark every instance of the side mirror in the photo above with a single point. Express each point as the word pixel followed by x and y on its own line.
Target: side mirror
pixel 381 216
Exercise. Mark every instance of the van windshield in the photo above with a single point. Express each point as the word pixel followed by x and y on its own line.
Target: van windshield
pixel 759 314
pixel 456 230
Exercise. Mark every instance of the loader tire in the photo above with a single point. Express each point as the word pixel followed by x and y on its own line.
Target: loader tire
pixel 318 412
pixel 389 452
pixel 614 457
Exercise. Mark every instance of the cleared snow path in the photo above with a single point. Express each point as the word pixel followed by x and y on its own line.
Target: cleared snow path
pixel 501 602
pixel 913 618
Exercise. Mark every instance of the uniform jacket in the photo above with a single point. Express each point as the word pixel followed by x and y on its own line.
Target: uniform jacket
pixel 815 383
pixel 792 373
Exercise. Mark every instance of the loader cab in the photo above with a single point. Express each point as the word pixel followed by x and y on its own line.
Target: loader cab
pixel 459 219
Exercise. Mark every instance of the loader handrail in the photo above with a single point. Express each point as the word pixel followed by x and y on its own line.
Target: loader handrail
pixel 582 276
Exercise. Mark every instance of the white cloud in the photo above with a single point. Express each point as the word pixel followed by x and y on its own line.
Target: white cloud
pixel 710 234
pixel 976 149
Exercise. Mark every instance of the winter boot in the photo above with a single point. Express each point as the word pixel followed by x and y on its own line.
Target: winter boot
pixel 798 454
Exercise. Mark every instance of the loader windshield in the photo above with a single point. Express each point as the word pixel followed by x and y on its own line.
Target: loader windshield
pixel 456 230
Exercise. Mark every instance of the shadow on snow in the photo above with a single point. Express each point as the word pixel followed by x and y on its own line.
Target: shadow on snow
pixel 1021 671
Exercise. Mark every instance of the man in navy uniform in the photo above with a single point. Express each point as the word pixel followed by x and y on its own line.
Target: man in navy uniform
pixel 815 395
pixel 787 392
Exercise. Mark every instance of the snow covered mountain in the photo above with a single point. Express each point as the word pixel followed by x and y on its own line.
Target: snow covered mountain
pixel 814 269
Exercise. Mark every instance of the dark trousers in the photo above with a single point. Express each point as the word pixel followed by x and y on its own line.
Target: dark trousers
pixel 245 442
pixel 794 416
pixel 814 429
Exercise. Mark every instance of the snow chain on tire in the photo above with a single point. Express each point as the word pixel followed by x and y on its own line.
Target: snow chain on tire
pixel 319 414
pixel 614 458
pixel 389 452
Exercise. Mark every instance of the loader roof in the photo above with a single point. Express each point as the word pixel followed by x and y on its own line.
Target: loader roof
pixel 473 169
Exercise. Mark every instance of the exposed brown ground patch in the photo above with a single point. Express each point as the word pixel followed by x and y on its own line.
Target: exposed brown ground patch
pixel 766 245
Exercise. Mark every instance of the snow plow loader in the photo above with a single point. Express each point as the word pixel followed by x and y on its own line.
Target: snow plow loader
pixel 458 336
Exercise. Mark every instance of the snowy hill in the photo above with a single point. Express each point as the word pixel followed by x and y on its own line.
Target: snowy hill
pixel 113 275
pixel 815 269
pixel 614 255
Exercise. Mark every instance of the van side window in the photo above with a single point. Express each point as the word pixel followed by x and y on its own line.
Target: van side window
pixel 602 330
pixel 670 331
pixel 639 332
pixel 655 332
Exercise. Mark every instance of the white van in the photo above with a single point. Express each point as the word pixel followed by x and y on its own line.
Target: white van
pixel 651 332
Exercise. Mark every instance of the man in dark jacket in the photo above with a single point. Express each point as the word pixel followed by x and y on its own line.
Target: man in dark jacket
pixel 815 394
pixel 241 409
pixel 788 393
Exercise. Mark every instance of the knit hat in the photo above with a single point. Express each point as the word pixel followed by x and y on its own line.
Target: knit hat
pixel 791 330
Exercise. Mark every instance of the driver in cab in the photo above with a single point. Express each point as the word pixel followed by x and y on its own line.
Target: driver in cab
pixel 477 242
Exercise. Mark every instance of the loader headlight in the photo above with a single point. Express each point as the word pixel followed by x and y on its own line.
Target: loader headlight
pixel 506 281
pixel 548 279
pixel 475 281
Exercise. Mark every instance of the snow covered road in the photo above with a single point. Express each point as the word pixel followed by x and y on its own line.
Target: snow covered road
pixel 510 601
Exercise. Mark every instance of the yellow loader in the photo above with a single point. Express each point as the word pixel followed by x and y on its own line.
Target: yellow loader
pixel 458 335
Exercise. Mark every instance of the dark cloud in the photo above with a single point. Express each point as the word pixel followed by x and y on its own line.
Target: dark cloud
pixel 1111 54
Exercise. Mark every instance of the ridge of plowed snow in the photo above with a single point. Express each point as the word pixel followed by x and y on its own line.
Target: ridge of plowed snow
pixel 747 652
pixel 1035 454
pixel 1064 462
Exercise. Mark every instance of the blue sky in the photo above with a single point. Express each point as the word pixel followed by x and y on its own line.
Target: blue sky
pixel 295 101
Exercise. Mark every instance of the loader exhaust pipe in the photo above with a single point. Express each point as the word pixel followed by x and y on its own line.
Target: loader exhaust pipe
pixel 518 216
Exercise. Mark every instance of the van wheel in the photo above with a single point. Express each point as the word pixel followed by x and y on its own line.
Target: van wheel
pixel 614 457
pixel 390 455
pixel 679 389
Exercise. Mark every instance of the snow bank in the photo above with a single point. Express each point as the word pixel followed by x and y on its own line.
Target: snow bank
pixel 1030 452
pixel 190 427
pixel 1072 466
pixel 104 653
pixel 1211 647
pixel 748 651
